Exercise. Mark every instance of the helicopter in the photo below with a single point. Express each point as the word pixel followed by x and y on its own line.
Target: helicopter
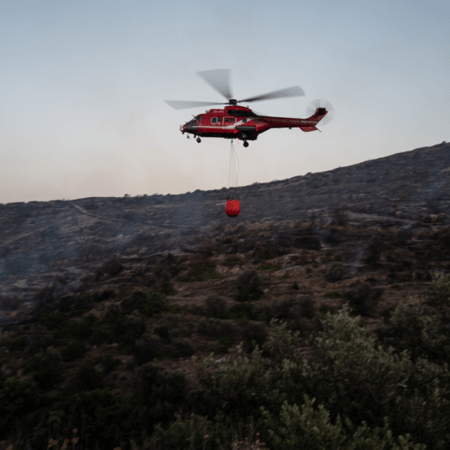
pixel 240 122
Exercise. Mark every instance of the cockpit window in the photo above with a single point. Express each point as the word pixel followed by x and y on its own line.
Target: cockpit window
pixel 214 120
pixel 199 118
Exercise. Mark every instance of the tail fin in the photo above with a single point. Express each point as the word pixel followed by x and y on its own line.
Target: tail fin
pixel 312 121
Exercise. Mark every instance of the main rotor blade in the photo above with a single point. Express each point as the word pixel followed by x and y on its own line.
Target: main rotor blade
pixel 218 79
pixel 294 91
pixel 181 104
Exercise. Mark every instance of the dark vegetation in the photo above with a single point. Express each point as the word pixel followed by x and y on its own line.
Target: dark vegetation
pixel 329 332
pixel 287 372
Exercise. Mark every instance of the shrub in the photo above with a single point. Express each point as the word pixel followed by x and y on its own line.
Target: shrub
pixel 154 303
pixel 363 299
pixel 74 350
pixel 307 308
pixel 438 295
pixel 232 260
pixel 129 304
pixel 216 307
pixel 407 328
pixel 109 362
pixel 327 309
pixel 111 267
pixel 249 287
pixel 263 250
pixel 39 338
pixel 53 321
pixel 167 391
pixel 162 275
pixel 101 334
pixel 17 344
pixel 200 272
pixel 78 329
pixel 147 348
pixel 313 429
pixel 88 378
pixel 47 367
pixel 267 268
pixel 179 348
pixel 244 310
pixel 254 333
pixel 216 327
pixel 127 329
pixel 333 295
pixel 354 377
pixel 162 332
pixel 336 273
pixel 237 385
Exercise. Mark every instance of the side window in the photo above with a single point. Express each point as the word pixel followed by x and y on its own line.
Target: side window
pixel 219 120
pixel 214 120
pixel 244 120
pixel 232 120
pixel 200 118
pixel 256 120
pixel 227 119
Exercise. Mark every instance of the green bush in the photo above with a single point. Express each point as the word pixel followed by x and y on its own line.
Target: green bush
pixel 407 328
pixel 147 348
pixel 196 432
pixel 53 321
pixel 200 272
pixel 267 268
pixel 216 327
pixel 232 260
pixel 162 332
pixel 88 378
pixel 438 295
pixel 363 299
pixel 327 309
pixel 168 392
pixel 47 369
pixel 178 348
pixel 127 329
pixel 18 396
pixel 237 385
pixel 216 307
pixel 101 334
pixel 249 286
pixel 244 310
pixel 153 303
pixel 73 350
pixel 333 295
pixel 336 273
pixel 254 333
pixel 17 344
pixel 313 429
pixel 109 362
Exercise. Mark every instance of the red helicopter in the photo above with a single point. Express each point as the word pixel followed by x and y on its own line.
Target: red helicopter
pixel 240 122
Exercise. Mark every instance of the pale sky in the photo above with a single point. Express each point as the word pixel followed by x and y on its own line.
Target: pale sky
pixel 83 84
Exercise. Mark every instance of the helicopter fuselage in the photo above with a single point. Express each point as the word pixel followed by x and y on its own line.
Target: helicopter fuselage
pixel 239 122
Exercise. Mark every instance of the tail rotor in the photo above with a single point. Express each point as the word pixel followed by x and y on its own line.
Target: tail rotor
pixel 321 103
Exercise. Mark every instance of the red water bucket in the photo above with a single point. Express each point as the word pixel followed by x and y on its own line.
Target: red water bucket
pixel 233 208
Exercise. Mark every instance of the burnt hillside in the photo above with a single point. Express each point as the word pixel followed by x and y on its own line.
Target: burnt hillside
pixel 67 240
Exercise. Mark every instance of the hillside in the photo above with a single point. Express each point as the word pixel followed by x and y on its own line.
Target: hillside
pixel 110 308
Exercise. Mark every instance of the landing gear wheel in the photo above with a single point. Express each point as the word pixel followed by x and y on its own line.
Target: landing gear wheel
pixel 199 140
pixel 245 144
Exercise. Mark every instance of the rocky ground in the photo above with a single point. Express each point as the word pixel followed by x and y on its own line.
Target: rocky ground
pixel 383 220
